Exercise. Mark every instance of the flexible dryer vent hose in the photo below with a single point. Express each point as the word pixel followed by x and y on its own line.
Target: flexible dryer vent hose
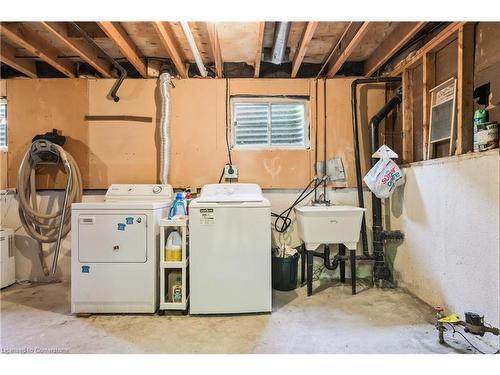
pixel 46 227
pixel 166 110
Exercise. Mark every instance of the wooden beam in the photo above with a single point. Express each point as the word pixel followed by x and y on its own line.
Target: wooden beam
pixel 465 88
pixel 168 42
pixel 407 117
pixel 80 47
pixel 116 32
pixel 258 49
pixel 32 42
pixel 118 118
pixel 304 43
pixel 215 46
pixel 346 45
pixel 446 35
pixel 429 81
pixel 401 35
pixel 8 56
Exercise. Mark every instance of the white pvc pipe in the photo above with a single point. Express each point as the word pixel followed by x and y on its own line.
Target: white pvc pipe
pixel 194 48
pixel 166 110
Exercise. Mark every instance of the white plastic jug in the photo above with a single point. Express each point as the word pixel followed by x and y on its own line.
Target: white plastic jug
pixel 173 248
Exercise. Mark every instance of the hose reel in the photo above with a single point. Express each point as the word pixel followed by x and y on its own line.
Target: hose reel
pixel 42 226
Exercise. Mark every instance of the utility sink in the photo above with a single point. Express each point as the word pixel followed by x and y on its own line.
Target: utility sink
pixel 329 225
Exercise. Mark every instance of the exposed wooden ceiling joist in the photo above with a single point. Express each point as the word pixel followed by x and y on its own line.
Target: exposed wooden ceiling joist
pixel 258 49
pixel 215 46
pixel 171 47
pixel 353 35
pixel 32 43
pixel 304 43
pixel 117 33
pixel 401 35
pixel 8 56
pixel 447 34
pixel 80 47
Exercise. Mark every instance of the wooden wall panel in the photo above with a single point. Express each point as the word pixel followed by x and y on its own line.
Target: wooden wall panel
pixel 123 151
pixel 3 170
pixel 37 106
pixel 126 152
pixel 487 64
pixel 446 62
pixel 417 102
pixel 250 86
pixel 487 46
pixel 339 123
pixel 446 68
pixel 198 132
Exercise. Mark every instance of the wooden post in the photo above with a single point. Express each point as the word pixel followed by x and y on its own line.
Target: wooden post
pixel 429 81
pixel 407 117
pixel 465 88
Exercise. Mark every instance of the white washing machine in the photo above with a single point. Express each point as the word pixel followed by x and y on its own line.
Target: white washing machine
pixel 7 260
pixel 230 250
pixel 114 250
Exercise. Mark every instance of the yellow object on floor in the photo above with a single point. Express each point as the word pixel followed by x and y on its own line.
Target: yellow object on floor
pixel 453 318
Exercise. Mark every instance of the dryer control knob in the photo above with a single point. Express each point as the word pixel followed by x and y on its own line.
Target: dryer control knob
pixel 157 189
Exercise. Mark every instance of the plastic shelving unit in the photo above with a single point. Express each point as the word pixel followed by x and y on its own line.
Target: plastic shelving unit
pixel 166 226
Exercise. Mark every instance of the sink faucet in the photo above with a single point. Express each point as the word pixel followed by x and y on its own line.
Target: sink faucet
pixel 321 200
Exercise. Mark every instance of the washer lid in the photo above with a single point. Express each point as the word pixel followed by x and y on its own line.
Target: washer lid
pixel 231 193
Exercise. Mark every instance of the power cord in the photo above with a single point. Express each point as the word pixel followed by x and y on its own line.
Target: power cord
pixel 283 221
pixel 465 338
pixel 227 137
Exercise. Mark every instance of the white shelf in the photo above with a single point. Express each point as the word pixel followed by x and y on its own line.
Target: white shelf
pixel 174 305
pixel 180 224
pixel 181 264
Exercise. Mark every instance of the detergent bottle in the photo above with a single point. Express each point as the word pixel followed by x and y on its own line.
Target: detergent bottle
pixel 173 247
pixel 178 207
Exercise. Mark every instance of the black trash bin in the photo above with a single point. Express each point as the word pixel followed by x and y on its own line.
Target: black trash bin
pixel 284 272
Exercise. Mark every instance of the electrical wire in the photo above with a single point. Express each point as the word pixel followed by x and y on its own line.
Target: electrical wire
pixel 465 338
pixel 227 123
pixel 283 221
pixel 230 161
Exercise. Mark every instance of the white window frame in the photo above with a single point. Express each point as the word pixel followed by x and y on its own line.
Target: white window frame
pixel 5 148
pixel 271 100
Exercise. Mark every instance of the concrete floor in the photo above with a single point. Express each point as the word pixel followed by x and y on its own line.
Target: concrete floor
pixel 36 318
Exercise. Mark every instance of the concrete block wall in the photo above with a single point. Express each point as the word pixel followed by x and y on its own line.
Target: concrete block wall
pixel 449 212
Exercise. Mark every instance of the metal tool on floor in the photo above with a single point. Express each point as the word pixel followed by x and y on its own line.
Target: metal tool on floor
pixel 474 324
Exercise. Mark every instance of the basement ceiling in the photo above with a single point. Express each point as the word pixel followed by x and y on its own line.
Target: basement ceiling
pixel 239 42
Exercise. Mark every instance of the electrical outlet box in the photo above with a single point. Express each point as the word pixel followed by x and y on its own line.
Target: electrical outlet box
pixel 230 171
pixel 334 169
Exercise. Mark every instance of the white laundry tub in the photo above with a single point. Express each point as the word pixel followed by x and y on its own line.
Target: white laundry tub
pixel 329 225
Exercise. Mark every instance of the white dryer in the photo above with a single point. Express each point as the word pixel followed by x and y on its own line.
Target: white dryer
pixel 230 250
pixel 114 250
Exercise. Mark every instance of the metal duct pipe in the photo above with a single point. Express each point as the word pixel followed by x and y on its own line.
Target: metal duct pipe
pixel 166 111
pixel 123 73
pixel 281 31
pixel 194 48
pixel 359 178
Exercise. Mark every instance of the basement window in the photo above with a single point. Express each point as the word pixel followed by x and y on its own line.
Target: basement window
pixel 3 124
pixel 270 123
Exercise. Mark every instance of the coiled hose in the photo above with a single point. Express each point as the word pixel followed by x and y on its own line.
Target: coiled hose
pixel 47 227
